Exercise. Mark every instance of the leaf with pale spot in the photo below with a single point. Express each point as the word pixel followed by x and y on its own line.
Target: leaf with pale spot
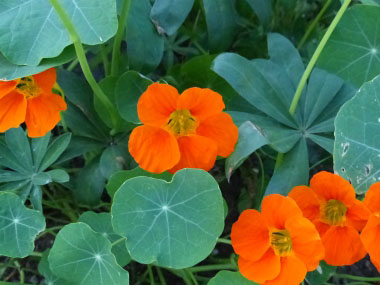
pixel 172 224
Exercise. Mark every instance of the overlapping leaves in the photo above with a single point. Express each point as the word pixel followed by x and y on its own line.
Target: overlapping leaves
pixel 269 86
pixel 26 162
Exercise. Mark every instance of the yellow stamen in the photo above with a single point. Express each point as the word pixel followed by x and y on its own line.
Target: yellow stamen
pixel 28 87
pixel 181 123
pixel 281 242
pixel 334 212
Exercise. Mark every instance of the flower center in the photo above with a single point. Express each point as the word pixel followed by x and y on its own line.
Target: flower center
pixel 281 242
pixel 28 87
pixel 334 212
pixel 181 122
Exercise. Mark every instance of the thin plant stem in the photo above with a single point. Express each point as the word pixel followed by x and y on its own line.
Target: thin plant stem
pixel 314 58
pixel 224 240
pixel 212 267
pixel 150 272
pixel 185 278
pixel 320 161
pixel 117 241
pixel 192 277
pixel 161 276
pixel 357 278
pixel 72 65
pixel 310 66
pixel 125 7
pixel 106 64
pixel 83 60
pixel 312 26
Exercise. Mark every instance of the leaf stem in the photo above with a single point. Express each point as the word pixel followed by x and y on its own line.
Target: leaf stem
pixel 83 60
pixel 357 278
pixel 161 276
pixel 151 277
pixel 312 26
pixel 118 241
pixel 125 7
pixel 212 267
pixel 316 55
pixel 224 240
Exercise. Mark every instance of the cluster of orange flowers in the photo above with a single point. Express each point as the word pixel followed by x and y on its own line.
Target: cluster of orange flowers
pixel 293 234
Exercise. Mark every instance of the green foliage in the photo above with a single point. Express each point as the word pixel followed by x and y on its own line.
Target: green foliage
pixel 174 224
pixel 40 32
pixel 353 51
pixel 228 277
pixel 269 86
pixel 357 149
pixel 101 223
pixel 82 256
pixel 28 162
pixel 321 275
pixel 19 226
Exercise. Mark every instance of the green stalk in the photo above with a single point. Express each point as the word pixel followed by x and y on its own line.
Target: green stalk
pixel 125 7
pixel 310 66
pixel 224 240
pixel 83 60
pixel 357 278
pixel 151 277
pixel 312 26
pixel 315 56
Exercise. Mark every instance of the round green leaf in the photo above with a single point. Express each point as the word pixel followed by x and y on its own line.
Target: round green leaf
pixel 101 223
pixel 19 226
pixel 129 88
pixel 40 32
pixel 44 270
pixel 357 144
pixel 353 51
pixel 228 277
pixel 172 224
pixel 83 256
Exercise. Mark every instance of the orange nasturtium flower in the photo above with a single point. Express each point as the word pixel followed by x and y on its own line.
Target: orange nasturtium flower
pixel 181 131
pixel 30 99
pixel 370 235
pixel 331 205
pixel 278 245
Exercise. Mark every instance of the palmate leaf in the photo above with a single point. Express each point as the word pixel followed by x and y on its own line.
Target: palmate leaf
pixel 19 226
pixel 172 224
pixel 357 144
pixel 28 162
pixel 82 256
pixel 353 50
pixel 31 29
pixel 269 85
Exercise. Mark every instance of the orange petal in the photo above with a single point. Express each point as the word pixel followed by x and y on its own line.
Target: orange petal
pixel 196 152
pixel 12 111
pixel 266 268
pixel 370 237
pixel 156 104
pixel 221 129
pixel 321 227
pixel 357 215
pixel 7 87
pixel 307 244
pixel 43 113
pixel 293 272
pixel 277 209
pixel 46 79
pixel 372 198
pixel 154 149
pixel 250 235
pixel 202 102
pixel 342 246
pixel 330 186
pixel 307 200
pixel 376 263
